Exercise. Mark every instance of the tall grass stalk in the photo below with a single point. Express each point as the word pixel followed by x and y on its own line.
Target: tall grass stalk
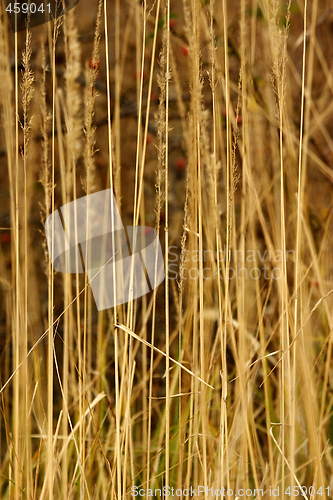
pixel 209 121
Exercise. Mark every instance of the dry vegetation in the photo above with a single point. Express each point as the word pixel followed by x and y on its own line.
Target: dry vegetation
pixel 212 122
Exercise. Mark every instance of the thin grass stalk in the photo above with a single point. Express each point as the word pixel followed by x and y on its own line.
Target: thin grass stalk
pixel 27 94
pixel 226 91
pixel 297 288
pixel 8 114
pixel 116 113
pixel 116 341
pixel 91 181
pixel 16 360
pixel 166 228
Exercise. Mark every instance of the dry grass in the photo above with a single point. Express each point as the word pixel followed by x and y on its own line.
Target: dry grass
pixel 210 121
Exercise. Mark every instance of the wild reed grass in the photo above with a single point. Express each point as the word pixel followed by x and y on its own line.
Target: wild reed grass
pixel 221 377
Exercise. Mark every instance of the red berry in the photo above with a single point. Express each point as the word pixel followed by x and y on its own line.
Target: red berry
pixel 172 23
pixel 181 163
pixel 5 238
pixel 93 64
pixel 139 75
pixel 239 120
pixel 149 138
pixel 185 50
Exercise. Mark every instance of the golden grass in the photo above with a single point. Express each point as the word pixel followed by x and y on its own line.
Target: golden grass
pixel 221 377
